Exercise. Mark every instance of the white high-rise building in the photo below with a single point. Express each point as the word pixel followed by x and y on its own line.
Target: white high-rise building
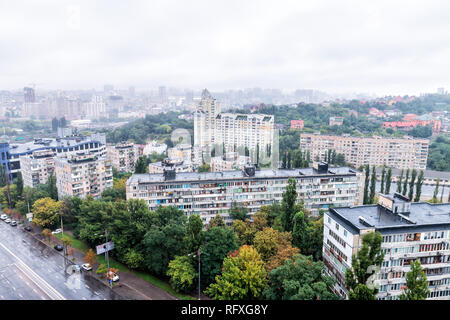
pixel 205 120
pixel 96 108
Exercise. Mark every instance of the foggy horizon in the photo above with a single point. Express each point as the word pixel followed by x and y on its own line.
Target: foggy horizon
pixel 338 48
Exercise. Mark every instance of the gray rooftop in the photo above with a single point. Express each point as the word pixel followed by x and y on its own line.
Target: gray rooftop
pixel 427 174
pixel 421 215
pixel 238 174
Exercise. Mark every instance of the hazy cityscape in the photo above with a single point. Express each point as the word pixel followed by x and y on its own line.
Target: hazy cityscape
pixel 219 168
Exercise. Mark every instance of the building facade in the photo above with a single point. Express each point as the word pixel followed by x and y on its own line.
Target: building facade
pixel 123 156
pixel 211 193
pixel 83 175
pixel 402 153
pixel 410 231
pixel 37 167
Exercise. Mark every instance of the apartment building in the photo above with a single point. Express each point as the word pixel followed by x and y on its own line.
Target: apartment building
pixel 61 147
pixel 123 156
pixel 410 231
pixel 402 153
pixel 177 164
pixel 83 175
pixel 211 193
pixel 231 132
pixel 229 161
pixel 37 167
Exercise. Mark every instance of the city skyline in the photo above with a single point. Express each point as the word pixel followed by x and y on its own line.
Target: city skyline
pixel 374 48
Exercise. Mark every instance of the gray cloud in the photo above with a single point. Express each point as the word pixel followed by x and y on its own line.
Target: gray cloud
pixel 395 47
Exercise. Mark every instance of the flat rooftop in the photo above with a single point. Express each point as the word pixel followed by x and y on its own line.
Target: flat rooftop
pixel 239 174
pixel 422 215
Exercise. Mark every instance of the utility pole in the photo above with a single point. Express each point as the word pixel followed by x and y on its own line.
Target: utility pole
pixel 62 236
pixel 198 254
pixel 107 258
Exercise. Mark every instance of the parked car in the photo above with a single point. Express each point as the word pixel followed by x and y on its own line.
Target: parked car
pixel 13 223
pixel 28 228
pixel 58 247
pixel 56 231
pixel 8 220
pixel 86 266
pixel 3 217
pixel 76 268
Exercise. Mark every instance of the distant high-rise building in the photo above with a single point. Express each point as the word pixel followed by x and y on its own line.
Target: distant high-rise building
pixel 28 95
pixel 131 91
pixel 107 88
pixel 441 91
pixel 205 120
pixel 189 96
pixel 162 94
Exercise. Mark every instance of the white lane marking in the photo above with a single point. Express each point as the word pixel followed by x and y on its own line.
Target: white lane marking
pixel 31 272
pixel 20 295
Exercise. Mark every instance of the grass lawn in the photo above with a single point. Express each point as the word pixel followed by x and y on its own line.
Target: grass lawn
pixel 80 245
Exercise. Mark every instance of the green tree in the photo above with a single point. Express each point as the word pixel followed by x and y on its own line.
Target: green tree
pixel 300 278
pixel 364 266
pixel 436 190
pixel 383 174
pixel 194 233
pixel 219 241
pixel 216 221
pixel 416 283
pixel 419 186
pixel 182 274
pixel 405 183
pixel 373 181
pixel 141 165
pixel 243 277
pixel 288 205
pixel 19 184
pixel 411 184
pixel 387 189
pixel 366 185
pixel 399 183
pixel 204 168
pixel 238 212
pixel 51 187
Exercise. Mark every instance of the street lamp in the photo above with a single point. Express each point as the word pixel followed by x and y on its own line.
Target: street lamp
pixel 198 256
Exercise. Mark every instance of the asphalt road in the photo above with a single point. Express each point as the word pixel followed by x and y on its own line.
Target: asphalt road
pixel 29 270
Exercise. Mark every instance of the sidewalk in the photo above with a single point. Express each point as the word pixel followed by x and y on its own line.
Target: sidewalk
pixel 130 286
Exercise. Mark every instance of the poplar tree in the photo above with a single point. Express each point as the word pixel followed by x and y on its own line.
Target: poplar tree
pixel 388 181
pixel 411 184
pixel 405 183
pixel 366 185
pixel 436 190
pixel 399 183
pixel 383 174
pixel 419 186
pixel 373 182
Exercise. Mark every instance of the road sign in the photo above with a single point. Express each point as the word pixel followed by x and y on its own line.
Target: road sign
pixel 30 219
pixel 105 247
pixel 29 215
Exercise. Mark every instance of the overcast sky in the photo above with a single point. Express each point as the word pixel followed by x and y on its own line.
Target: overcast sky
pixel 383 47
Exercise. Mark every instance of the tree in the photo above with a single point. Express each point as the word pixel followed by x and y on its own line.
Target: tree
pixel 51 187
pixel 383 174
pixel 436 190
pixel 67 242
pixel 194 233
pixel 366 185
pixel 238 212
pixel 267 242
pixel 245 231
pixel 405 183
pixel 288 205
pixel 284 252
pixel 216 221
pixel 45 212
pixel 411 184
pixel 182 274
pixel 219 241
pixel 300 278
pixel 419 186
pixel 373 181
pixel 141 165
pixel 388 181
pixel 243 276
pixel 399 183
pixel 416 283
pixel 47 233
pixel 134 258
pixel 19 184
pixel 364 266
pixel 204 168
pixel 90 257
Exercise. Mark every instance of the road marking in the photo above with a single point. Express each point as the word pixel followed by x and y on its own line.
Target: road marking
pixel 14 288
pixel 20 295
pixel 29 271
